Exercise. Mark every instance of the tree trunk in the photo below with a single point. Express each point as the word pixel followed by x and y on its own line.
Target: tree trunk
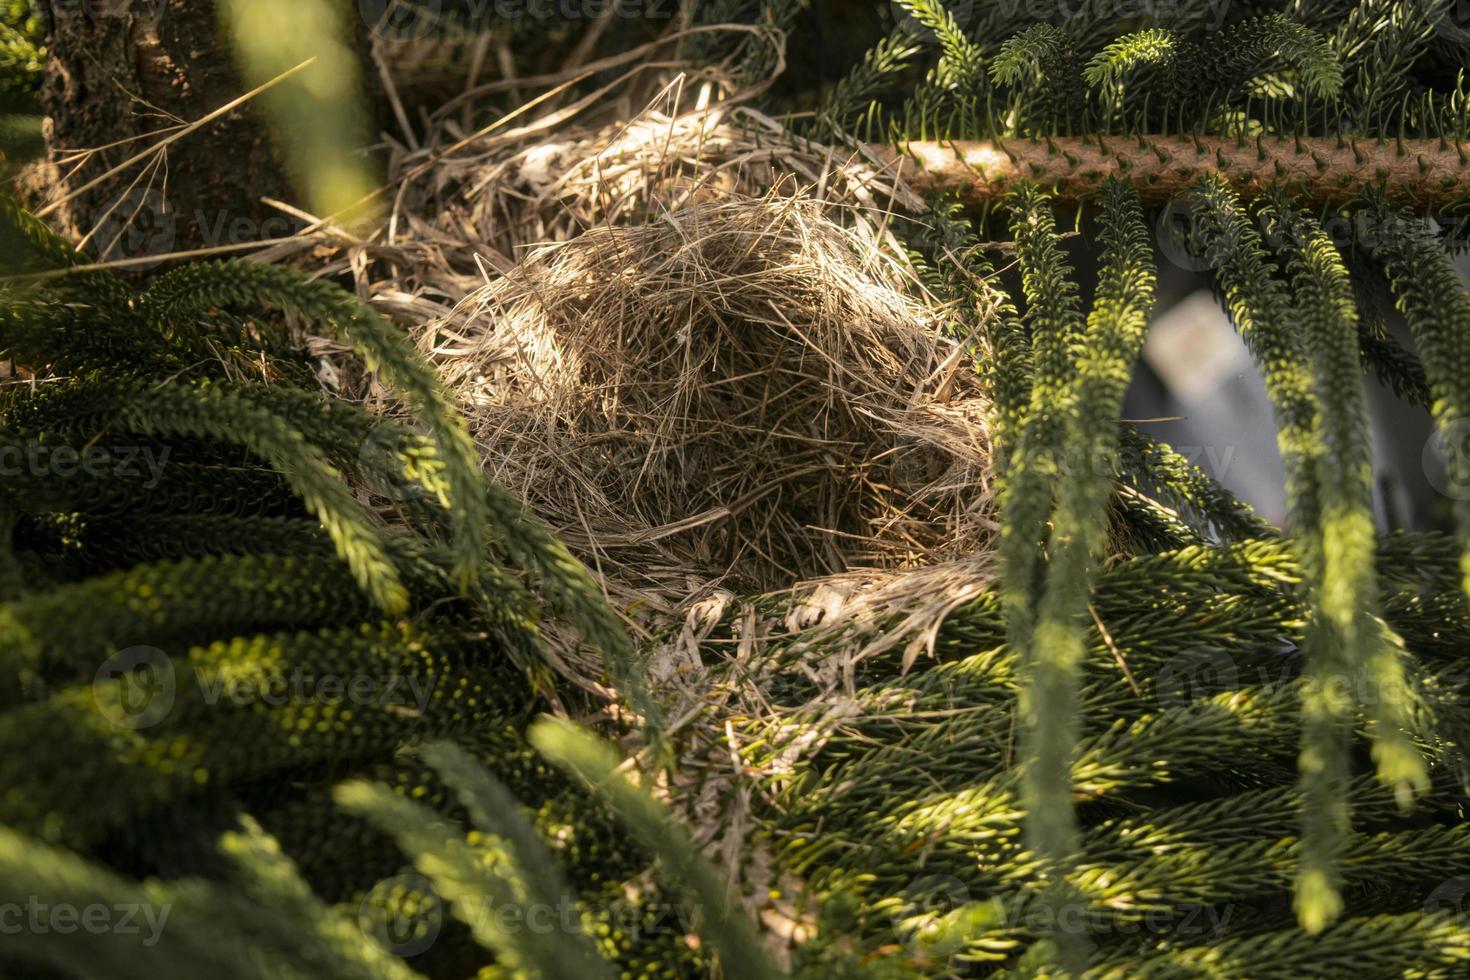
pixel 120 69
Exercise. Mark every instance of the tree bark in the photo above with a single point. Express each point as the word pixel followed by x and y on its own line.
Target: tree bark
pixel 121 69
pixel 1321 170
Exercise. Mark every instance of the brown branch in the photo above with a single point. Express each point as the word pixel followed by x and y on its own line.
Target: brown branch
pixel 1424 173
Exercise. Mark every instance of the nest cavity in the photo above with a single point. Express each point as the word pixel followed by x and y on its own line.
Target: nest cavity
pixel 740 392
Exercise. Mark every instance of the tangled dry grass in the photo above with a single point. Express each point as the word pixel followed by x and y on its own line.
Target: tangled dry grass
pixel 696 350
pixel 733 394
pixel 690 341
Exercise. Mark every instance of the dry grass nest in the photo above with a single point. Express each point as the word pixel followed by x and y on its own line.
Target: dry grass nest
pixel 736 394
pixel 689 339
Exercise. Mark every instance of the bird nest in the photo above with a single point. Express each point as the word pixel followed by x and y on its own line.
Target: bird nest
pixel 738 393
pixel 689 339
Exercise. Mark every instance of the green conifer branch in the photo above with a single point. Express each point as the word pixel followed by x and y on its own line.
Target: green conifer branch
pixel 1103 364
pixel 244 709
pixel 592 761
pixel 327 940
pixel 182 295
pixel 1157 468
pixel 1429 293
pixel 1347 599
pixel 209 929
pixel 220 414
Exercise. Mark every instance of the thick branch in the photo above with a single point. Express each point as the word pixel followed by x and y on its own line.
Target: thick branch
pixel 1424 173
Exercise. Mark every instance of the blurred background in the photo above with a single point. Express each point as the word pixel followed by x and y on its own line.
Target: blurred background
pixel 1197 389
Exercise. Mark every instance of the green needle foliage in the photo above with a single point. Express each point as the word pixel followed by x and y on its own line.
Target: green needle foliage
pixel 1103 364
pixel 582 754
pixel 479 885
pixel 1348 637
pixel 221 592
pixel 1055 323
pixel 1339 73
pixel 263 918
pixel 22 66
pixel 187 294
